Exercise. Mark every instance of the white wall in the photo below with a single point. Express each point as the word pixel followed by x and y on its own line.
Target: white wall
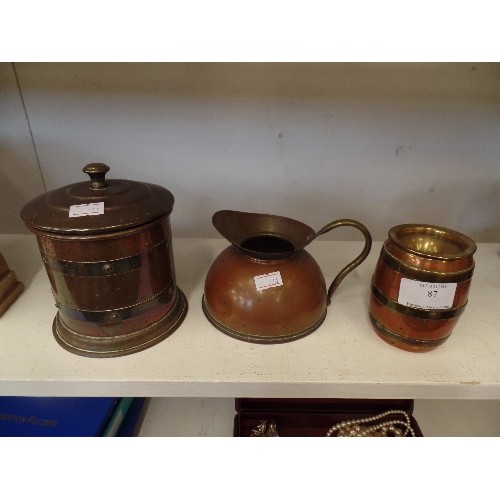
pixel 382 143
pixel 20 176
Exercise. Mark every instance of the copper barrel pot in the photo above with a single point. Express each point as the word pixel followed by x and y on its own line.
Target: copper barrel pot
pixel 265 287
pixel 106 246
pixel 420 285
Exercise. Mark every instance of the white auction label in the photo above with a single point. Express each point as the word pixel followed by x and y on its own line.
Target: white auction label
pixel 269 280
pixel 88 209
pixel 425 295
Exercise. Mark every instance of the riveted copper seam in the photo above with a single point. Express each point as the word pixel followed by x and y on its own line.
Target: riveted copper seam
pixel 433 276
pixel 430 314
pixel 104 267
pixel 402 338
pixel 117 315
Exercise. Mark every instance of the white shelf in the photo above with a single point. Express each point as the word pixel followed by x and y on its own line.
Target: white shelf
pixel 343 358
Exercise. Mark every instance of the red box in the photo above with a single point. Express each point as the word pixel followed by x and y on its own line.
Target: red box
pixel 312 417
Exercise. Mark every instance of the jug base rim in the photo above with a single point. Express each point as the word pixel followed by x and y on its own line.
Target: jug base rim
pixel 261 339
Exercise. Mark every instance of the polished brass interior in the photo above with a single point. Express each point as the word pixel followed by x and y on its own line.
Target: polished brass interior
pixel 432 241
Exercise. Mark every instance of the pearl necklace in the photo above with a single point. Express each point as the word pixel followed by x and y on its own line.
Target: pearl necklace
pixel 376 427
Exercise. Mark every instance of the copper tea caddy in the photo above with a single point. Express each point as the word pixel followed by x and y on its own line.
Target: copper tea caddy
pixel 111 269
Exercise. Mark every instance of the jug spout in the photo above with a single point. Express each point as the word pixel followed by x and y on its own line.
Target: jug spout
pixel 261 235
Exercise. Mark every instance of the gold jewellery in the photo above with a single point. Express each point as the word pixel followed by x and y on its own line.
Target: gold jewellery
pixel 265 429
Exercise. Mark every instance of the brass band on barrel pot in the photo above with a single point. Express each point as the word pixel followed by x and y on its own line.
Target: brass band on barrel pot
pixel 387 281
pixel 408 328
pixel 433 255
pixel 426 314
pixel 411 344
pixel 420 274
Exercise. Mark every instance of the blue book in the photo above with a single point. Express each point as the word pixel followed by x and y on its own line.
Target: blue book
pixel 117 418
pixel 133 419
pixel 55 416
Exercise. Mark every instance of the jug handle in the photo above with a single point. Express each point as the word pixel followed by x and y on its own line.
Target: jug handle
pixel 357 261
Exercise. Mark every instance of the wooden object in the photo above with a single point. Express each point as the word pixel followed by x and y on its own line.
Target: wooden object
pixel 305 417
pixel 10 288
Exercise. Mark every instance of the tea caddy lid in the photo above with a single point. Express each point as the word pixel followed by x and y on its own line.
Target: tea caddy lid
pixel 99 206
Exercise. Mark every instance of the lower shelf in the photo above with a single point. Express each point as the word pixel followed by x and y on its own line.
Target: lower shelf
pixel 214 417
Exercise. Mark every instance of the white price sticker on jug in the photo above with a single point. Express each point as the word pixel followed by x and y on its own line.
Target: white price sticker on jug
pixel 424 295
pixel 269 280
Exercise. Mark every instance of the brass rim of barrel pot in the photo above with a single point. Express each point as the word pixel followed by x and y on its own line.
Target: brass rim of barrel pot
pixel 433 242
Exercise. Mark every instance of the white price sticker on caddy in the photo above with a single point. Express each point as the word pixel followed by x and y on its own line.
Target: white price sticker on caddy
pixel 86 209
pixel 269 280
pixel 424 295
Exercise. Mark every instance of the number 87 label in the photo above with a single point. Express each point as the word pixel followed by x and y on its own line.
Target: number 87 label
pixel 424 295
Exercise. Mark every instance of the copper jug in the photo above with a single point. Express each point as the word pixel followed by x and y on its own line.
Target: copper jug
pixel 107 249
pixel 265 287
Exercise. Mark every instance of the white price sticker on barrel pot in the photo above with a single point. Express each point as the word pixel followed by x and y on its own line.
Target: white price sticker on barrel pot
pixel 86 209
pixel 424 295
pixel 269 280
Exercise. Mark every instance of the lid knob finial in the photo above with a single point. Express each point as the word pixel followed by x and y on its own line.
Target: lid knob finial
pixel 97 173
